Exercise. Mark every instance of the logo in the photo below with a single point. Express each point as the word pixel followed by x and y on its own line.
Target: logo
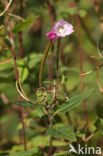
pixel 85 150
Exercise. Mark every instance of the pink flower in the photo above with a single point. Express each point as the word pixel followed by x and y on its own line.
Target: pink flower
pixel 63 28
pixel 52 35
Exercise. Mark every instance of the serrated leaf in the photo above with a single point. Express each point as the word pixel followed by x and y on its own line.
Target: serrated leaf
pixel 66 132
pixel 73 102
pixel 97 58
pixel 22 25
pixel 24 104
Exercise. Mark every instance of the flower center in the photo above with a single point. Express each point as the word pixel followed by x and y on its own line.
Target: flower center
pixel 61 30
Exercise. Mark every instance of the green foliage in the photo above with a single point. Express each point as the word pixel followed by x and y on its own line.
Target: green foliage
pixel 73 102
pixel 97 58
pixel 50 106
pixel 25 104
pixel 65 132
pixel 22 25
pixel 73 11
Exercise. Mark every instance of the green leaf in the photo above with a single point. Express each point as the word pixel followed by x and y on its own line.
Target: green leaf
pixel 22 25
pixel 22 70
pixel 99 125
pixel 66 132
pixel 73 102
pixel 82 12
pixel 40 111
pixel 25 153
pixel 97 58
pixel 49 83
pixel 80 134
pixel 24 104
pixel 31 60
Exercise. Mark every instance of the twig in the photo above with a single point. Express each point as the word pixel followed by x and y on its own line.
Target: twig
pixel 81 67
pixel 16 16
pixel 4 98
pixel 91 71
pixel 88 138
pixel 6 8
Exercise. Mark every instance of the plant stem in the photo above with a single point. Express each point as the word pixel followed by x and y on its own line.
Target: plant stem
pixel 51 138
pixel 81 67
pixel 50 146
pixel 21 55
pixel 57 59
pixel 17 75
pixel 13 49
pixel 50 10
pixel 50 68
pixel 43 62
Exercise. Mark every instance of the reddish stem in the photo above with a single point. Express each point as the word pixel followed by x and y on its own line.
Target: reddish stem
pixel 81 67
pixel 51 15
pixel 50 10
pixel 50 66
pixel 17 75
pixel 12 48
pixel 21 55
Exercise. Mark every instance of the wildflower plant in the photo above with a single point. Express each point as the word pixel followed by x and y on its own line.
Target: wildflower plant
pixel 50 99
pixel 53 101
